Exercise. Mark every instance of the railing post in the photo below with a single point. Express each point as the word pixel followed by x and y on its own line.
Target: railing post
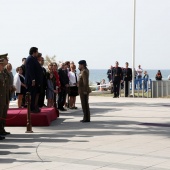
pixel 147 88
pixel 162 88
pixel 138 88
pixel 152 88
pixel 157 88
pixel 143 86
pixel 29 124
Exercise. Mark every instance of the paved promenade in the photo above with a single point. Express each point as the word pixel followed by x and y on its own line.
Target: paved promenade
pixel 124 134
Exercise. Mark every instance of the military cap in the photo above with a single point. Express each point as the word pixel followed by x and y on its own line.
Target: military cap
pixel 82 62
pixel 1 60
pixel 4 56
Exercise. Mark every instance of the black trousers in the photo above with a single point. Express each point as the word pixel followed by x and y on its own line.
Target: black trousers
pixel 41 97
pixel 23 100
pixel 62 98
pixel 33 91
pixel 116 88
pixel 126 86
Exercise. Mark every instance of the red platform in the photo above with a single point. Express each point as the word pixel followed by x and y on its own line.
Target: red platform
pixel 18 117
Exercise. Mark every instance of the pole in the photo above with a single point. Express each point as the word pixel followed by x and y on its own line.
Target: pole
pixel 133 51
pixel 29 125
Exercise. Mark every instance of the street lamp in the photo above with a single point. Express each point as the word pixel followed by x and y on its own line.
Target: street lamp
pixel 133 49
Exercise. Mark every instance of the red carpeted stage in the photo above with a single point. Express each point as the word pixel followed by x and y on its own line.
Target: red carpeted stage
pixel 18 117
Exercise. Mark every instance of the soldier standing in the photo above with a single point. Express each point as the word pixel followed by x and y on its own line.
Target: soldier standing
pixel 117 79
pixel 84 90
pixel 2 97
pixel 127 77
pixel 7 92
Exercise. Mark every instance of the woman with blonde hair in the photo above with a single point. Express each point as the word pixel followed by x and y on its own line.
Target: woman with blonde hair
pixel 73 89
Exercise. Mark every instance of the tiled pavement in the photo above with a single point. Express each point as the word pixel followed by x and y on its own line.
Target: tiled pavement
pixel 121 136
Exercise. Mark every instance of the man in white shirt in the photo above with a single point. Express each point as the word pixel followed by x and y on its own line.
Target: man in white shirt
pixel 139 75
pixel 139 72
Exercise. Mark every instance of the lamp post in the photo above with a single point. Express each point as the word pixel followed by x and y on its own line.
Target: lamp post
pixel 133 49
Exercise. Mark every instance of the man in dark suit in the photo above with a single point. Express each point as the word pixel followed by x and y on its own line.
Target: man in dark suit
pixel 44 84
pixel 127 77
pixel 117 78
pixel 32 77
pixel 64 80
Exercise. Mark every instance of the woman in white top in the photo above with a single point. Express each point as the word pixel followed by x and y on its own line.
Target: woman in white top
pixel 73 89
pixel 20 85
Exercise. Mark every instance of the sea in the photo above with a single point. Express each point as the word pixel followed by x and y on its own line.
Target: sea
pixel 96 75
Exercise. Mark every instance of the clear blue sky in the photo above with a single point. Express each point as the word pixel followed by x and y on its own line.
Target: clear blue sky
pixel 99 31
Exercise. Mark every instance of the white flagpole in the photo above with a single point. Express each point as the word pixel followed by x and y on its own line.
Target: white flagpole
pixel 133 52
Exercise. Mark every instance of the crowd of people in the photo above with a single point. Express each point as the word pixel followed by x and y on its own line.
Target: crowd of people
pixel 59 85
pixel 121 76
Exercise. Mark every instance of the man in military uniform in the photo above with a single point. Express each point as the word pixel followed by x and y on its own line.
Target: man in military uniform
pixel 117 77
pixel 127 77
pixel 84 90
pixel 7 92
pixel 2 97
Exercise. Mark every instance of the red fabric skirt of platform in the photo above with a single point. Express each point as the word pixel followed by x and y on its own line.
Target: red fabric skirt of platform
pixel 18 117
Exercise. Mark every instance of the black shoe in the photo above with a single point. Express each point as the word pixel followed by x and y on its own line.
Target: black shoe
pixel 35 111
pixel 38 109
pixel 2 137
pixel 84 121
pixel 44 105
pixel 62 109
pixel 7 133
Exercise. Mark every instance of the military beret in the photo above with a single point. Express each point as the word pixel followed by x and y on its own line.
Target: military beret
pixel 4 56
pixel 1 60
pixel 82 62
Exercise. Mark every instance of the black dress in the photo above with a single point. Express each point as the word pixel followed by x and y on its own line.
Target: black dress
pixel 22 88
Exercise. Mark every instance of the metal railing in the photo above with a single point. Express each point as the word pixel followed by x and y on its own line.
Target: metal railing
pixel 143 88
pixel 160 88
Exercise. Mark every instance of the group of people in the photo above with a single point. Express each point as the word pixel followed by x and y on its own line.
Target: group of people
pixel 53 83
pixel 123 75
pixel 118 75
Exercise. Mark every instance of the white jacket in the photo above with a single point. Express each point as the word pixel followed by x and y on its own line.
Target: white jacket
pixel 17 83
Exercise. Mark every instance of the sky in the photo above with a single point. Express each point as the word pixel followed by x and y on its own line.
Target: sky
pixel 99 31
